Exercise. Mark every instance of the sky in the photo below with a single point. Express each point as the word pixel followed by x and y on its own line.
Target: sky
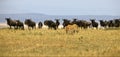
pixel 61 7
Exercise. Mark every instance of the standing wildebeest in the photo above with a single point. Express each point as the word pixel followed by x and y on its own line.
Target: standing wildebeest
pixel 57 22
pixel 117 22
pixel 40 25
pixel 30 23
pixel 94 24
pixel 111 23
pixel 11 22
pixel 50 24
pixel 65 22
pixel 20 24
pixel 72 28
pixel 15 23
pixel 81 23
pixel 103 23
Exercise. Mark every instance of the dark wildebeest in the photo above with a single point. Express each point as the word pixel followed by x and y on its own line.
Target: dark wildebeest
pixel 111 23
pixel 30 23
pixel 15 23
pixel 20 24
pixel 103 23
pixel 81 23
pixel 66 22
pixel 117 22
pixel 86 24
pixel 57 22
pixel 50 24
pixel 94 24
pixel 11 22
pixel 40 25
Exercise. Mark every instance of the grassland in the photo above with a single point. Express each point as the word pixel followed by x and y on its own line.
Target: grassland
pixel 44 42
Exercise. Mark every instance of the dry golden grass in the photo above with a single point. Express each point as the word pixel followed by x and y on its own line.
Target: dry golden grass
pixel 44 42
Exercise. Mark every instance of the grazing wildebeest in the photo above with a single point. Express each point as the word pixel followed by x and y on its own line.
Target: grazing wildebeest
pixel 57 22
pixel 30 23
pixel 70 29
pixel 40 25
pixel 94 24
pixel 65 22
pixel 50 24
pixel 103 23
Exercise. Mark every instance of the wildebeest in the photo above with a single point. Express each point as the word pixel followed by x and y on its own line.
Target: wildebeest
pixel 40 25
pixel 51 24
pixel 30 23
pixel 57 22
pixel 94 24
pixel 81 23
pixel 70 29
pixel 11 22
pixel 20 24
pixel 15 23
pixel 111 23
pixel 103 23
pixel 117 22
pixel 65 22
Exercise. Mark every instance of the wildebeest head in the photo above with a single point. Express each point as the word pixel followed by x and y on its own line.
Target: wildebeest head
pixel 65 22
pixel 57 21
pixel 8 19
pixel 74 21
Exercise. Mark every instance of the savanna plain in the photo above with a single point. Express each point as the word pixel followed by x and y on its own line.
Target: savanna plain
pixel 48 42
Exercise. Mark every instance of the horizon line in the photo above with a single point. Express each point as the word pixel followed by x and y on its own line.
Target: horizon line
pixel 61 15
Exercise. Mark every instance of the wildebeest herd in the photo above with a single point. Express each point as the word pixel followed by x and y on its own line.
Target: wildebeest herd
pixel 67 24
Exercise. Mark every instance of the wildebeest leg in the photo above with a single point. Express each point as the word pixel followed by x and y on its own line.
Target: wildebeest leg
pixel 66 31
pixel 32 27
pixel 55 28
pixel 22 27
pixel 28 27
pixel 49 27
pixel 10 27
pixel 17 27
pixel 14 27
